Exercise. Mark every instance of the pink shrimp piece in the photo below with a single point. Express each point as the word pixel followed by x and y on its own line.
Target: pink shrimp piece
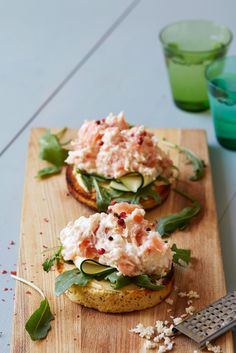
pixel 87 249
pixel 155 245
pixel 90 134
pixel 126 266
pixel 123 207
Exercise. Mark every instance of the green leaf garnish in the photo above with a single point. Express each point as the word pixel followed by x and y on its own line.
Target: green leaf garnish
pixel 51 150
pixel 38 324
pixel 119 281
pixel 168 224
pixel 144 281
pixel 48 171
pixel 103 197
pixel 198 164
pixel 55 258
pixel 181 255
pixel 66 279
pixel 145 193
pixel 88 182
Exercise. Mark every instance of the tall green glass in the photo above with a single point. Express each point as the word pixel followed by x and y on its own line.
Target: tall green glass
pixel 221 76
pixel 189 46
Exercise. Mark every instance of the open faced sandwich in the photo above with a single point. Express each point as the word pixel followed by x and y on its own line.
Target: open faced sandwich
pixel 115 261
pixel 112 160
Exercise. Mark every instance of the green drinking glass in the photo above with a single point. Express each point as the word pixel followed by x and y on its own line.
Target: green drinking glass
pixel 221 77
pixel 189 46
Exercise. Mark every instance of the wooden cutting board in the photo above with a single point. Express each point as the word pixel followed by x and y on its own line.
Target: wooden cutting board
pixel 47 208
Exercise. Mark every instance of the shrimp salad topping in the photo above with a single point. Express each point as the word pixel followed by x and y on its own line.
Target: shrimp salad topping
pixel 111 148
pixel 121 238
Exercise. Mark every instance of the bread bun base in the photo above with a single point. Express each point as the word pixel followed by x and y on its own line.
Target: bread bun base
pixel 101 296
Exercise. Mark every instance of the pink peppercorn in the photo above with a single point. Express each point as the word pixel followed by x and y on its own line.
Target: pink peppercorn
pixel 123 215
pixel 98 122
pixel 113 202
pixel 121 222
pixel 140 141
pixel 101 143
pixel 100 251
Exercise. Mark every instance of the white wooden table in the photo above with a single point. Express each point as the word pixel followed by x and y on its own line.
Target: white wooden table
pixel 64 61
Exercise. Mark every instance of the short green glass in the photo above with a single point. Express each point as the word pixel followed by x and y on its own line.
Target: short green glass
pixel 189 46
pixel 221 77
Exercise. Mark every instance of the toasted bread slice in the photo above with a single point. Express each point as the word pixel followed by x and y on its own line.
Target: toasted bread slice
pixel 89 198
pixel 101 296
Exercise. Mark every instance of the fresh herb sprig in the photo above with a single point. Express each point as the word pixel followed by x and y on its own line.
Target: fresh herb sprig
pixel 38 324
pixel 181 256
pixel 180 220
pixel 197 163
pixel 143 281
pixel 52 151
pixel 50 261
pixel 103 197
pixel 66 279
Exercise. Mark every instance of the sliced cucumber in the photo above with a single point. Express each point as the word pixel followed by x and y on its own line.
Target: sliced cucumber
pixel 81 182
pixel 132 181
pixel 118 186
pixel 94 268
pixel 147 180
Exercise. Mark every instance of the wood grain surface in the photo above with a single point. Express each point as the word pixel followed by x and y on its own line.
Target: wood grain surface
pixel 47 208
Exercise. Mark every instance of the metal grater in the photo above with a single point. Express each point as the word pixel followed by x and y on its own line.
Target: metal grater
pixel 210 322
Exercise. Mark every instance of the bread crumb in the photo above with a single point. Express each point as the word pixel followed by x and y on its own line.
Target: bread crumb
pixel 145 332
pixel 190 310
pixel 183 315
pixel 169 301
pixel 150 345
pixel 162 349
pixel 161 332
pixel 177 320
pixel 214 349
pixel 193 295
pixel 167 340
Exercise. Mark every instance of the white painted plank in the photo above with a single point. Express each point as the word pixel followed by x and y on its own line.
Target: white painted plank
pixel 41 42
